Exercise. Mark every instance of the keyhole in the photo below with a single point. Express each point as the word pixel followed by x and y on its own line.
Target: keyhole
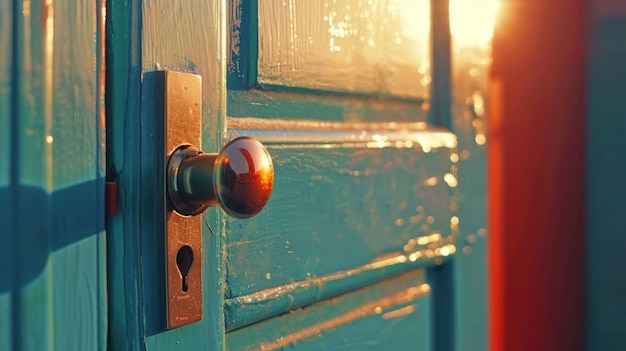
pixel 184 259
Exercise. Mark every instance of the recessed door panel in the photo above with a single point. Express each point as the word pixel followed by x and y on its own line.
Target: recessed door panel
pixel 394 315
pixel 378 187
pixel 357 46
pixel 355 207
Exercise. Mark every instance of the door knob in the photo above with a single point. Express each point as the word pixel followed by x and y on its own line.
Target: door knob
pixel 239 178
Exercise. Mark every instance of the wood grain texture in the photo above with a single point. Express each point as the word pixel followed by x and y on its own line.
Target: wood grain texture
pixel 305 104
pixel 355 46
pixel 123 101
pixel 339 208
pixel 394 314
pixel 55 176
pixel 7 196
pixel 159 35
pixel 458 319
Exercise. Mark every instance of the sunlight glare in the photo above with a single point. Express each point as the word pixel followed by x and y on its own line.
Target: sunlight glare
pixel 472 21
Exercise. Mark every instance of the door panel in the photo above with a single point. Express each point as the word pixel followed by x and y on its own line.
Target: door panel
pixel 339 204
pixel 356 46
pixel 358 206
pixel 330 217
pixel 393 315
pixel 52 294
pixel 375 194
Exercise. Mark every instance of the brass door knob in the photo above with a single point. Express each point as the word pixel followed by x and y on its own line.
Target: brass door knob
pixel 239 179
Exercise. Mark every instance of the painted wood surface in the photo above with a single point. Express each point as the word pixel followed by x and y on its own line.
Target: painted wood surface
pixel 7 259
pixel 145 36
pixel 364 207
pixel 122 103
pixel 254 289
pixel 393 314
pixel 355 46
pixel 52 286
pixel 315 204
pixel 300 104
pixel 467 284
pixel 605 189
pixel 352 202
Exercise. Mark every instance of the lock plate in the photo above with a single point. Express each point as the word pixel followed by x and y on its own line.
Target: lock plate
pixel 181 97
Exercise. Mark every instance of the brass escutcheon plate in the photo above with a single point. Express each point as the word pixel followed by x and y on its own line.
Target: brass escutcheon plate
pixel 181 95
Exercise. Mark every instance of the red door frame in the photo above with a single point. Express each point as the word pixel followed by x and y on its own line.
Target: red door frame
pixel 536 176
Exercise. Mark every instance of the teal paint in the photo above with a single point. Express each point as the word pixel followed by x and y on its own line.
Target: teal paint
pixel 148 36
pixel 301 104
pixel 442 321
pixel 459 316
pixel 54 192
pixel 244 310
pixel 347 207
pixel 125 318
pixel 152 205
pixel 469 268
pixel 144 37
pixel 605 244
pixel 7 272
pixel 242 63
pixel 393 314
pixel 7 259
pixel 58 266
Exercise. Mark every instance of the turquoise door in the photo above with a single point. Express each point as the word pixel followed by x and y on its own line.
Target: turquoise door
pixel 374 236
pixel 52 154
